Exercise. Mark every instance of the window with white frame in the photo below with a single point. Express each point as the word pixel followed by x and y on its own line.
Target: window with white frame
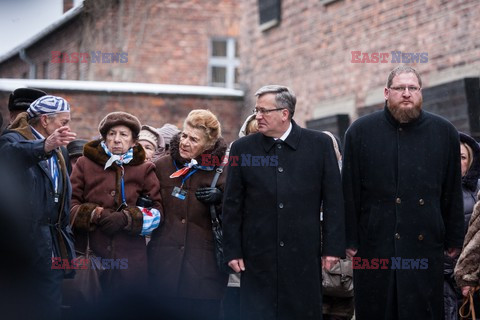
pixel 223 63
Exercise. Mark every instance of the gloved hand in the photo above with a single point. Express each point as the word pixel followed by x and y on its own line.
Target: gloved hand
pixel 209 195
pixel 111 222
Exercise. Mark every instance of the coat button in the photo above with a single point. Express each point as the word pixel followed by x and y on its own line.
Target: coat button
pixel 282 244
pixel 421 202
pixel 398 200
pixel 280 205
pixel 280 169
pixel 183 220
pixel 420 237
pixel 397 236
pixel 400 129
pixel 112 193
pixel 279 146
pixel 181 247
pixel 109 248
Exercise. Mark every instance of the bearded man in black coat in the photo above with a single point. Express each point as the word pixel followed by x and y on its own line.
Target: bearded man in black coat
pixel 278 179
pixel 402 187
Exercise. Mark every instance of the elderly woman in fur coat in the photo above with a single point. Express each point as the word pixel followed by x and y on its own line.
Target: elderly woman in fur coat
pixel 182 266
pixel 467 270
pixel 107 183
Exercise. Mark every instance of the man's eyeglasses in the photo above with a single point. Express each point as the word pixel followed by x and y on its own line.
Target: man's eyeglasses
pixel 401 89
pixel 265 111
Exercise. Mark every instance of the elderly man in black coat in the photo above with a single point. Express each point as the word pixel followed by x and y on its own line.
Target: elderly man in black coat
pixel 402 187
pixel 30 151
pixel 278 180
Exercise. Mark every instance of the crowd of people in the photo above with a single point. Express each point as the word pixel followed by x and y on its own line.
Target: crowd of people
pixel 403 191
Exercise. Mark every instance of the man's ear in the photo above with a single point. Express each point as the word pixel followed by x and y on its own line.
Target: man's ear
pixel 386 92
pixel 44 120
pixel 285 114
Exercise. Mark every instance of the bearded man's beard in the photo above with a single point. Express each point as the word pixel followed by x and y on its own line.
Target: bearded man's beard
pixel 405 115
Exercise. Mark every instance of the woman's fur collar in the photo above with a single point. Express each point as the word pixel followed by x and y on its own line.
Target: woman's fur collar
pixel 94 151
pixel 218 150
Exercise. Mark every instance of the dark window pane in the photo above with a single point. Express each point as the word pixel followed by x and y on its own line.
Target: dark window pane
pixel 45 70
pixel 219 48
pixel 219 75
pixel 269 10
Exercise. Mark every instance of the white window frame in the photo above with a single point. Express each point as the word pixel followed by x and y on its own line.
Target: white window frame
pixel 230 63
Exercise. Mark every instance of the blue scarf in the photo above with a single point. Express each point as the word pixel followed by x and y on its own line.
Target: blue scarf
pixel 119 159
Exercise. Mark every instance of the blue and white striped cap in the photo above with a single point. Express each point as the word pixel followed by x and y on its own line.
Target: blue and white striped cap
pixel 47 105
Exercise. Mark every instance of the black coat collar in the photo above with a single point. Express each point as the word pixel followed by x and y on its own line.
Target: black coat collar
pixel 292 140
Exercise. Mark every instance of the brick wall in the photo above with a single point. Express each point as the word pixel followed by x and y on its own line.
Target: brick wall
pixel 310 50
pixel 166 41
pixel 88 108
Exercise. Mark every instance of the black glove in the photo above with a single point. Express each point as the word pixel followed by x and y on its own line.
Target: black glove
pixel 111 222
pixel 209 195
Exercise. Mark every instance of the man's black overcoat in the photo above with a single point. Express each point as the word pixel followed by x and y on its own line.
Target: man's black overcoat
pixel 272 221
pixel 403 198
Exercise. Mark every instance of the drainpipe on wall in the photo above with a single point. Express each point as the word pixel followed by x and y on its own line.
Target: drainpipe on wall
pixel 32 66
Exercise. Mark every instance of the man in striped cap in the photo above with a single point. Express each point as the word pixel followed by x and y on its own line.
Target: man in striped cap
pixel 31 147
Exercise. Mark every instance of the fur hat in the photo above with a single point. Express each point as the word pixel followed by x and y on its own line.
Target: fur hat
pixel 150 134
pixel 20 99
pixel 75 148
pixel 119 118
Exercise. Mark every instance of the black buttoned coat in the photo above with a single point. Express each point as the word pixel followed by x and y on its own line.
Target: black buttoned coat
pixel 403 198
pixel 271 219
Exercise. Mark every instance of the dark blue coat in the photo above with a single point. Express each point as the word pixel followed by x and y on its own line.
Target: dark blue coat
pixel 27 159
pixel 272 220
pixel 403 198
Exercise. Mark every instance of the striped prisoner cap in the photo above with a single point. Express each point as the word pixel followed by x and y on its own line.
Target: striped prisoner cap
pixel 47 105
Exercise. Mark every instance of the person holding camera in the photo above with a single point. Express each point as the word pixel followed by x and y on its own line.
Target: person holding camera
pixel 182 267
pixel 116 202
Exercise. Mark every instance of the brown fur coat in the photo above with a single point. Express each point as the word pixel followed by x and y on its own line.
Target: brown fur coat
pixel 467 270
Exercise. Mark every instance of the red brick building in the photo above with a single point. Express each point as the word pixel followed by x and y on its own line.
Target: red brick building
pixel 308 44
pixel 323 49
pixel 189 43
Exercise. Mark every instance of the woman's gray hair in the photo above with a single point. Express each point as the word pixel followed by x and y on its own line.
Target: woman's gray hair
pixel 284 97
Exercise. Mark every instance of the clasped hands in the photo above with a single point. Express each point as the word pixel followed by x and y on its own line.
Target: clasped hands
pixel 110 222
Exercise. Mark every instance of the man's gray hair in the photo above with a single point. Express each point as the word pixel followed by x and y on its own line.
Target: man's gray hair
pixel 34 122
pixel 284 97
pixel 402 69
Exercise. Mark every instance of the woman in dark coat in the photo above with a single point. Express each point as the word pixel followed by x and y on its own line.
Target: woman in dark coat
pixel 470 166
pixel 182 266
pixel 107 182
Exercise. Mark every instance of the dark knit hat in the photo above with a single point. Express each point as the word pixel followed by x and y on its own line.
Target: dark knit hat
pixel 119 118
pixel 20 99
pixel 75 148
